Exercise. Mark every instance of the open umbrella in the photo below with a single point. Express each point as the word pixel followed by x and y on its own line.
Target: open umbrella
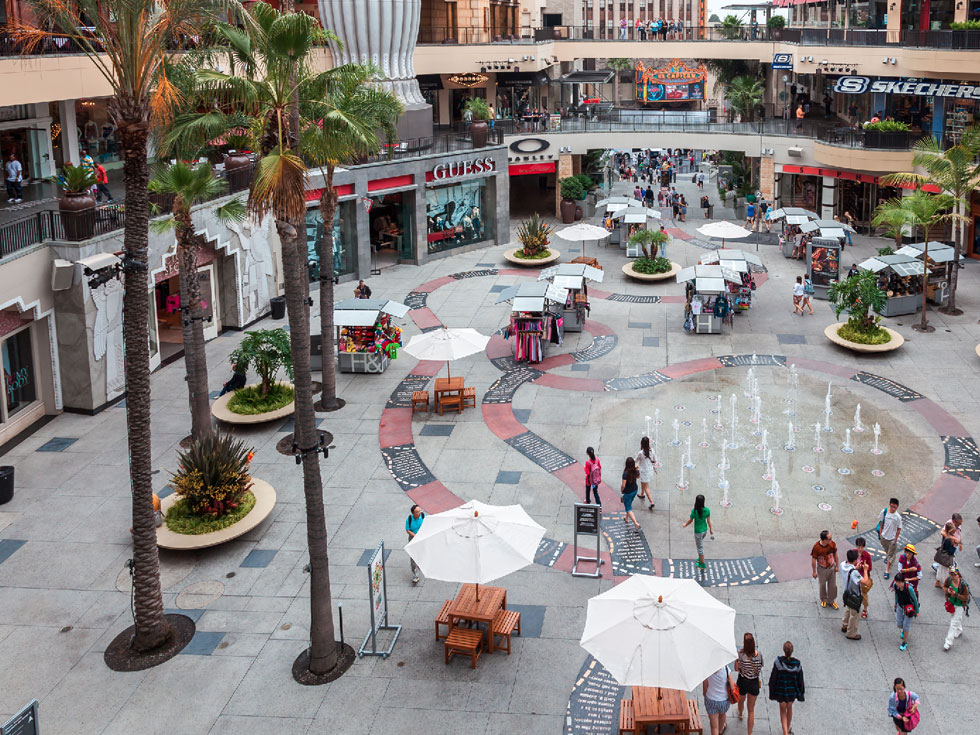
pixel 723 230
pixel 659 631
pixel 446 344
pixel 475 543
pixel 583 231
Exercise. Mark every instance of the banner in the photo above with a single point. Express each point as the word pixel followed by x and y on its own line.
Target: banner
pixel 860 85
pixel 671 82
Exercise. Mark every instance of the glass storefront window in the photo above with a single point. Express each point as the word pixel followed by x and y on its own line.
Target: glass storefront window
pixel 343 235
pixel 459 214
pixel 18 372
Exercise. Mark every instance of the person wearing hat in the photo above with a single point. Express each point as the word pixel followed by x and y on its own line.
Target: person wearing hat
pixel 909 567
pixel 906 608
pixel 957 602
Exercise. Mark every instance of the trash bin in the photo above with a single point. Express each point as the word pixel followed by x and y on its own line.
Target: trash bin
pixel 6 484
pixel 278 304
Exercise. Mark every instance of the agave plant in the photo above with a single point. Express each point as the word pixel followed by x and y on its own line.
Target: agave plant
pixel 214 474
pixel 533 234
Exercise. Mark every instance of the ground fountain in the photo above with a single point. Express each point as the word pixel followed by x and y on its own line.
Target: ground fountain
pixel 677 427
pixel 790 445
pixel 816 437
pixel 776 509
pixel 858 426
pixel 689 464
pixel 847 449
pixel 876 449
pixel 704 434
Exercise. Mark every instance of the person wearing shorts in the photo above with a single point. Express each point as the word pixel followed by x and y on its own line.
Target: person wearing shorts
pixel 798 295
pixel 629 490
pixel 749 667
pixel 716 704
pixel 889 531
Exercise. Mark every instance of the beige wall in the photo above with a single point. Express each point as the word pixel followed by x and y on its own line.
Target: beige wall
pixel 26 280
pixel 858 159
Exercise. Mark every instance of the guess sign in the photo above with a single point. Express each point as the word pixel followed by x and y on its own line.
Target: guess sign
pixel 453 169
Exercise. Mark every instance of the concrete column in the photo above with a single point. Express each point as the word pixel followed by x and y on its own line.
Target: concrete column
pixel 565 168
pixel 69 134
pixel 767 177
pixel 777 190
pixel 827 197
pixel 960 11
pixel 894 27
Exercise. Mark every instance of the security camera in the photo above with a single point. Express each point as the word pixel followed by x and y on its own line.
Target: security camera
pixel 98 262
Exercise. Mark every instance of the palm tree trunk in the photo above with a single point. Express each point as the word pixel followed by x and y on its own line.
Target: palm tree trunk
pixel 328 371
pixel 323 646
pixel 151 627
pixel 952 279
pixel 924 325
pixel 195 358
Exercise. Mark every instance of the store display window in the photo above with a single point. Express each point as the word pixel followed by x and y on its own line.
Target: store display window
pixel 343 236
pixel 459 214
pixel 20 387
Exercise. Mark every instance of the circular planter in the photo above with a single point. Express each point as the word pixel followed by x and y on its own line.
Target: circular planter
pixel 219 410
pixel 651 277
pixel 510 257
pixel 897 340
pixel 265 500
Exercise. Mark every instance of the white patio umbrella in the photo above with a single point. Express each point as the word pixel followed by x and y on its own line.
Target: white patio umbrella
pixel 446 344
pixel 475 543
pixel 723 230
pixel 583 231
pixel 659 631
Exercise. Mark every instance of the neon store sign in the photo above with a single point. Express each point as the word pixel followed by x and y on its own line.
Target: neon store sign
pixel 453 169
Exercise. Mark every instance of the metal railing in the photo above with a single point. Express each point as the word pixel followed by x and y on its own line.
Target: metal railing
pixel 868 139
pixel 446 143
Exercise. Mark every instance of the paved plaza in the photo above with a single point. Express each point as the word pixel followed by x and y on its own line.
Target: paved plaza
pixel 64 539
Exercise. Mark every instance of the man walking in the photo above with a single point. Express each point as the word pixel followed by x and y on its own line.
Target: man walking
pixel 412 525
pixel 15 178
pixel 102 183
pixel 889 529
pixel 853 575
pixel 823 561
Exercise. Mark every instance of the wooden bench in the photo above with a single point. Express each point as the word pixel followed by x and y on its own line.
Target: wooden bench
pixel 693 717
pixel 465 642
pixel 420 401
pixel 469 397
pixel 451 400
pixel 505 622
pixel 627 723
pixel 443 619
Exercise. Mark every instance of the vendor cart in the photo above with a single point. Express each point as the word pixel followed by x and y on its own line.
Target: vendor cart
pixel 939 258
pixel 822 264
pixel 535 320
pixel 367 340
pixel 710 297
pixel 900 277
pixel 573 277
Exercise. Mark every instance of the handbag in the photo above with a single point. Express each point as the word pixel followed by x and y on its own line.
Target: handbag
pixel 950 607
pixel 913 720
pixel 733 693
pixel 943 558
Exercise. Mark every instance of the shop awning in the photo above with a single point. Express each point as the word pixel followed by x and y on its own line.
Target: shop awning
pixel 636 214
pixel 365 312
pixel 601 76
pixel 532 296
pixel 793 215
pixel 737 260
pixel 939 252
pixel 903 265
pixel 572 269
pixel 708 278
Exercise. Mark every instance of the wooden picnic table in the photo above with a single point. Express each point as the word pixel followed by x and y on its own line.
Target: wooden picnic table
pixel 657 706
pixel 467 607
pixel 448 387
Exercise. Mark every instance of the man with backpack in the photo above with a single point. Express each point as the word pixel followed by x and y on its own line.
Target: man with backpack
pixel 854 574
pixel 889 529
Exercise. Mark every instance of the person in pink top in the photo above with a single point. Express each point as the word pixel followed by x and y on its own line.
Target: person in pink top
pixel 593 477
pixel 865 558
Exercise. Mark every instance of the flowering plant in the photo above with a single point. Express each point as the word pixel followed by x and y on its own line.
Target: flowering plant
pixel 214 475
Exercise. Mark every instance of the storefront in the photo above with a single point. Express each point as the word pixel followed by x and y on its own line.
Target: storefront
pixel 832 192
pixel 340 239
pixel 25 132
pixel 455 212
pixel 520 91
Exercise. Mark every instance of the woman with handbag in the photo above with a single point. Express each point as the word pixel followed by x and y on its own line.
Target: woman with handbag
pixel 718 690
pixel 749 666
pixel 903 707
pixel 958 603
pixel 945 553
pixel 786 685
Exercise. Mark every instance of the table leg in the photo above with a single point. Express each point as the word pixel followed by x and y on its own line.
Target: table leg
pixel 490 636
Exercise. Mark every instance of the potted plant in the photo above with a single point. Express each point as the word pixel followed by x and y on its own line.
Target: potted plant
pixel 888 134
pixel 213 486
pixel 479 129
pixel 860 296
pixel 649 266
pixel 77 205
pixel 571 189
pixel 236 157
pixel 776 24
pixel 267 352
pixel 533 236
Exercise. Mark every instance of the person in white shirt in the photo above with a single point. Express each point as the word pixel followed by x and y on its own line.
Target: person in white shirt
pixel 15 177
pixel 798 291
pixel 853 574
pixel 889 529
pixel 645 464
pixel 716 704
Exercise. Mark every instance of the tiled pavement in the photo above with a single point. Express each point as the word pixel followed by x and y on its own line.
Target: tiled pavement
pixel 64 538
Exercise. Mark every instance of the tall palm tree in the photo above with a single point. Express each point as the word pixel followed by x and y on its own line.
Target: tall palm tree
pixel 619 65
pixel 955 171
pixel 189 185
pixel 127 43
pixel 347 114
pixel 270 64
pixel 745 94
pixel 924 210
pixel 731 27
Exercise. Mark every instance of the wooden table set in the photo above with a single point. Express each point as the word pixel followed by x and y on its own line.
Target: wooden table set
pixel 659 706
pixel 490 609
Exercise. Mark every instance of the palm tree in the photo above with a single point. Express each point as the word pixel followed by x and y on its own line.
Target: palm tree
pixel 190 185
pixel 618 65
pixel 127 43
pixel 731 27
pixel 924 210
pixel 270 71
pixel 349 113
pixel 955 171
pixel 745 94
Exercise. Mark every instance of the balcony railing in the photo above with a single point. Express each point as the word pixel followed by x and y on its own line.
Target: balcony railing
pixel 447 143
pixel 871 139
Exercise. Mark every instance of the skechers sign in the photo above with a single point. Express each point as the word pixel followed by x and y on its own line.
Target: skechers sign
pixel 860 85
pixel 463 168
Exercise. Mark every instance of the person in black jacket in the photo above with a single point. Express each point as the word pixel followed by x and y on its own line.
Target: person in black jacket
pixel 786 685
pixel 236 382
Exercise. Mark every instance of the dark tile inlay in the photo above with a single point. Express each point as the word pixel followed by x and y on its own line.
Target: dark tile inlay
pixel 580 368
pixel 638 325
pixel 508 477
pixel 259 558
pixel 368 553
pixel 486 265
pixel 523 415
pixel 437 430
pixel 165 491
pixel 57 444
pixel 497 289
pixel 532 619
pixel 203 643
pixel 791 339
pixel 651 341
pixel 8 546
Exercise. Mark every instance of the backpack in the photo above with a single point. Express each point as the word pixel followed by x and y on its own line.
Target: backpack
pixel 880 522
pixel 852 592
pixel 808 286
pixel 595 474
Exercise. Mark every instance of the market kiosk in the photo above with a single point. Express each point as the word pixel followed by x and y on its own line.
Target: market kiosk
pixel 610 206
pixel 710 294
pixel 573 277
pixel 535 318
pixel 939 258
pixel 367 340
pixel 744 264
pixel 629 220
pixel 900 277
pixel 822 264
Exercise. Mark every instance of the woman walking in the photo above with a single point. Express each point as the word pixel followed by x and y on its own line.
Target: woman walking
pixel 749 667
pixel 957 602
pixel 807 293
pixel 645 464
pixel 629 490
pixel 906 608
pixel 786 685
pixel 716 704
pixel 593 476
pixel 945 553
pixel 903 707
pixel 798 296
pixel 701 518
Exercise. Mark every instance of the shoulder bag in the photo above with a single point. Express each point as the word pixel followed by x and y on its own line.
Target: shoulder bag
pixel 852 598
pixel 733 694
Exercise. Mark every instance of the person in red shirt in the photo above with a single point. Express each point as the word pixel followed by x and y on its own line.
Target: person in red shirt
pixel 824 563
pixel 102 183
pixel 864 558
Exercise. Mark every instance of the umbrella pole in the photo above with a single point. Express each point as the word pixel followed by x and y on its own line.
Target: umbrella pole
pixel 477 591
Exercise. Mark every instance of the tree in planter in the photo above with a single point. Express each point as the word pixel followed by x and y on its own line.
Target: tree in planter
pixel 860 297
pixel 650 242
pixel 349 112
pixel 919 210
pixel 77 206
pixel 128 43
pixel 745 93
pixel 619 65
pixel 955 171
pixel 776 22
pixel 533 234
pixel 731 28
pixel 189 185
pixel 266 351
pixel 480 111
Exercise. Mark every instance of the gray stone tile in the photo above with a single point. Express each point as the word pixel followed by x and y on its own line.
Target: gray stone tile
pixel 289 425
pixel 203 643
pixel 8 546
pixel 523 415
pixel 259 558
pixel 532 619
pixel 651 341
pixel 437 430
pixel 639 325
pixel 268 690
pixel 580 367
pixel 230 725
pixel 508 477
pixel 57 444
pixel 497 289
pixel 791 339
pixel 194 615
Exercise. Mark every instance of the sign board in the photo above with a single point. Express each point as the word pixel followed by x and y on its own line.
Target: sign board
pixel 782 61
pixel 455 169
pixel 23 723
pixel 673 81
pixel 860 85
pixel 588 519
pixel 378 599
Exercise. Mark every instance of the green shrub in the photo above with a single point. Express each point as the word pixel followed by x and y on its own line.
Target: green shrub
pixel 587 183
pixel 181 519
pixel 266 351
pixel 479 107
pixel 213 475
pixel 651 266
pixel 75 179
pixel 533 256
pixel 878 336
pixel 886 251
pixel 250 401
pixel 776 21
pixel 571 188
pixel 859 296
pixel 887 126
pixel 650 241
pixel 967 25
